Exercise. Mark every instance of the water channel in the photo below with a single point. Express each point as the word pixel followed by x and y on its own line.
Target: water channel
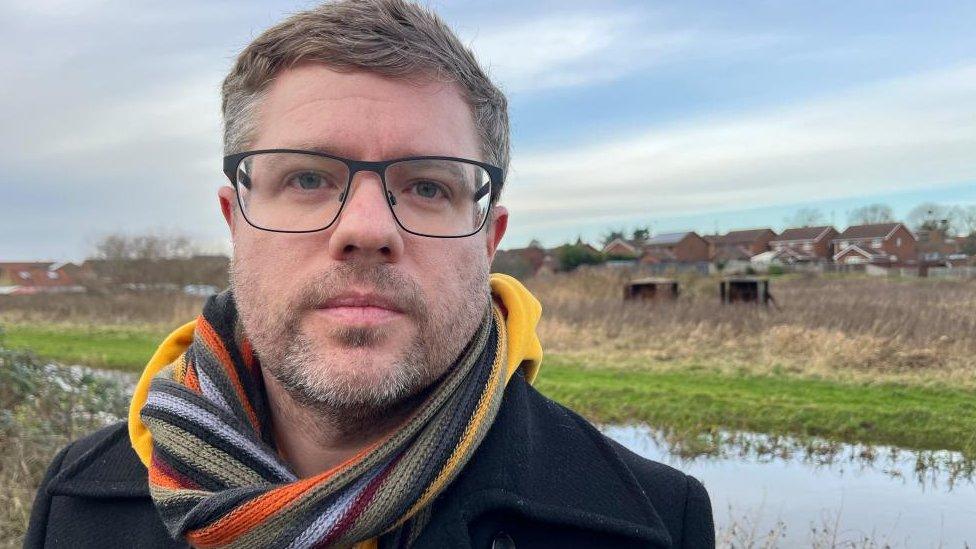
pixel 797 490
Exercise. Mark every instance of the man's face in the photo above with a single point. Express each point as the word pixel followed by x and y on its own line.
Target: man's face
pixel 362 314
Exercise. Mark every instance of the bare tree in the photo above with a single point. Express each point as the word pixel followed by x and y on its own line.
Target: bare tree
pixel 153 261
pixel 805 217
pixel 931 216
pixel 965 220
pixel 870 214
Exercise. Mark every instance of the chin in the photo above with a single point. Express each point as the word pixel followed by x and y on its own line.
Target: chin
pixel 370 376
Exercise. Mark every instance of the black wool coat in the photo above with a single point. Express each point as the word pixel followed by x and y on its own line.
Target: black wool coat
pixel 543 477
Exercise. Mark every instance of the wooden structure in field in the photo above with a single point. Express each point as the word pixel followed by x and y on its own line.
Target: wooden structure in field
pixel 745 289
pixel 648 289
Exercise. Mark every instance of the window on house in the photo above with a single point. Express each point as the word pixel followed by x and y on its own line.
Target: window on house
pixel 807 246
pixel 898 241
pixel 24 275
pixel 53 275
pixel 876 243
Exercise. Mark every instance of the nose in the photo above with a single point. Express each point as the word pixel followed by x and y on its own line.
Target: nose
pixel 366 229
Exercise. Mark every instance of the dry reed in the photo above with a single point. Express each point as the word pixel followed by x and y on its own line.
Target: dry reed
pixel 852 328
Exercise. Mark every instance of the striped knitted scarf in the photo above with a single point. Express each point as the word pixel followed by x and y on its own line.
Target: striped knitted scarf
pixel 218 481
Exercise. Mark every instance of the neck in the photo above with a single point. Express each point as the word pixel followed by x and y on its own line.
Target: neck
pixel 313 440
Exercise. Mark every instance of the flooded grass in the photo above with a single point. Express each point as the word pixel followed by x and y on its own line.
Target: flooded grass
pixel 770 492
pixel 696 403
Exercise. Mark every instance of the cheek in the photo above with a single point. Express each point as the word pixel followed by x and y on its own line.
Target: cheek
pixel 266 266
pixel 448 273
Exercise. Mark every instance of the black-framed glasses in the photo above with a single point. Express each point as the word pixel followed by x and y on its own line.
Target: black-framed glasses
pixel 296 191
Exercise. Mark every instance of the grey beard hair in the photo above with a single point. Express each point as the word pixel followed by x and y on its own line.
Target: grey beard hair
pixel 407 377
pixel 290 356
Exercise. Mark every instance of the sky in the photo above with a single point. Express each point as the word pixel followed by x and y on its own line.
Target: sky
pixel 704 116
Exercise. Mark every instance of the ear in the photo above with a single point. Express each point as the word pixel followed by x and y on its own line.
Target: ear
pixel 228 206
pixel 496 230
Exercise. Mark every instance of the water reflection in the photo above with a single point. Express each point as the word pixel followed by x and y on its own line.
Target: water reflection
pixel 893 496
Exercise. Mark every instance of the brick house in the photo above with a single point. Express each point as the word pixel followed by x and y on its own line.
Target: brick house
pixel 737 245
pixel 937 247
pixel 805 244
pixel 882 244
pixel 524 262
pixel 620 248
pixel 683 247
pixel 26 277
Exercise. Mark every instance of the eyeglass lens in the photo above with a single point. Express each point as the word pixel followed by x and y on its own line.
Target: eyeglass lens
pixel 305 192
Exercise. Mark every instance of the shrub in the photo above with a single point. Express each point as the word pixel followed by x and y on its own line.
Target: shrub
pixel 42 407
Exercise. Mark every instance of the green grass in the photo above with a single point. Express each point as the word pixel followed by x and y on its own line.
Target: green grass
pixel 696 401
pixel 115 347
pixel 693 401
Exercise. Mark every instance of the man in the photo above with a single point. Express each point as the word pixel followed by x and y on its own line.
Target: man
pixel 364 382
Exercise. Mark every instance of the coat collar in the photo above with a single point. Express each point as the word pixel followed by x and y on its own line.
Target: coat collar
pixel 102 465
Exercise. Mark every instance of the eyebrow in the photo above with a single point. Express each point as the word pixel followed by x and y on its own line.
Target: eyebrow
pixel 338 151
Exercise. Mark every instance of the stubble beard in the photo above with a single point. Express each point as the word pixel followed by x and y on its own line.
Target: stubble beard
pixel 357 394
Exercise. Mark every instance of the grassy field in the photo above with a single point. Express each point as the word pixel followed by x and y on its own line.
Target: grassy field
pixel 850 359
pixel 687 399
pixel 696 401
pixel 854 359
pixel 115 347
pixel 852 329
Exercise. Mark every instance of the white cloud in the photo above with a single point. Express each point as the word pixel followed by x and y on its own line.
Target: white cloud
pixel 902 134
pixel 573 49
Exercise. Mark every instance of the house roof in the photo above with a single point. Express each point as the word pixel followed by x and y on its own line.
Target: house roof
pixel 802 233
pixel 732 253
pixel 621 242
pixel 747 236
pixel 658 255
pixel 875 230
pixel 867 253
pixel 667 239
pixel 36 274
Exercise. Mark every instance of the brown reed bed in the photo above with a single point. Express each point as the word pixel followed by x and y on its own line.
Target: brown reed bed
pixel 96 309
pixel 851 328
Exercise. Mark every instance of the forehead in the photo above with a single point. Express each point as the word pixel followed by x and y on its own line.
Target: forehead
pixel 364 116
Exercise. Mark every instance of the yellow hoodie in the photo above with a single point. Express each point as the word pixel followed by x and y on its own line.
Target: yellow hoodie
pixel 522 313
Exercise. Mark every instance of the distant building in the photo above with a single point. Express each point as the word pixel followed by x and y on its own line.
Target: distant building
pixel 804 244
pixel 682 247
pixel 523 262
pixel 27 277
pixel 739 245
pixel 879 244
pixel 936 247
pixel 620 248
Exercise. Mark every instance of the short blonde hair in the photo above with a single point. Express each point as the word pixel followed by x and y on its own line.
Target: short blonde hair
pixel 394 38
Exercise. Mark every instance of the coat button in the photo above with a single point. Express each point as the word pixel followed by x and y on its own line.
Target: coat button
pixel 503 541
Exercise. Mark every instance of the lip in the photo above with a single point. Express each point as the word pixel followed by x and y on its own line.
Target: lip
pixel 361 308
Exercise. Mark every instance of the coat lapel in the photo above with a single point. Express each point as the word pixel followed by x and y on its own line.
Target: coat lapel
pixel 545 463
pixel 107 467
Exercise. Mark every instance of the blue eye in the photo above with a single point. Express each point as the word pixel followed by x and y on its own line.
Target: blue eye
pixel 309 181
pixel 427 189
